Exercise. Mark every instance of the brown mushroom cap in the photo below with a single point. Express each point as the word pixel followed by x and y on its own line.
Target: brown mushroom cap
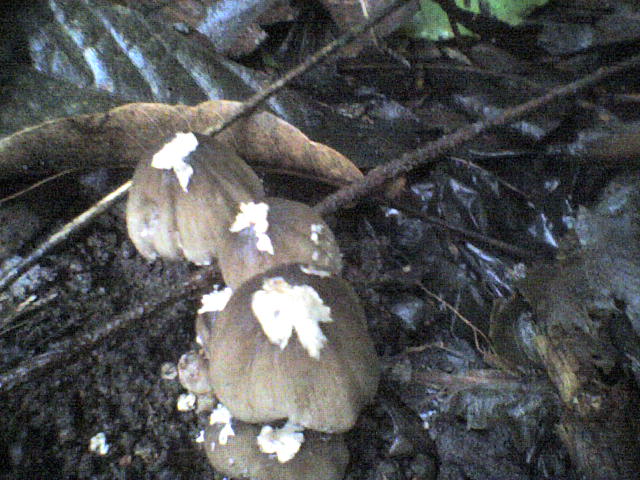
pixel 258 381
pixel 297 235
pixel 321 457
pixel 165 220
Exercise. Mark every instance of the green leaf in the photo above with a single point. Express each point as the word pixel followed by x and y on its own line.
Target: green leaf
pixel 432 23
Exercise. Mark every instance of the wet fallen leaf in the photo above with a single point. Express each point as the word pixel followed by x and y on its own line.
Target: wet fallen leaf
pixel 123 135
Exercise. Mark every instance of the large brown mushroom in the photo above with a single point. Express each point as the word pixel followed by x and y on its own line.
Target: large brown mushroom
pixel 185 196
pixel 292 345
pixel 274 232
pixel 239 455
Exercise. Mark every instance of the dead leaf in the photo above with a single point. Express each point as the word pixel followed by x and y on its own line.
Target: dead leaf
pixel 124 135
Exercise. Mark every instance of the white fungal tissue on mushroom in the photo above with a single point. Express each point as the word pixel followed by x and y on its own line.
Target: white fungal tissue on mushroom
pixel 98 444
pixel 186 402
pixel 254 216
pixel 280 308
pixel 171 157
pixel 316 230
pixel 216 300
pixel 284 442
pixel 311 270
pixel 222 415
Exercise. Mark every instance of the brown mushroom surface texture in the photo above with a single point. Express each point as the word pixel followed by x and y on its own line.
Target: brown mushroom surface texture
pixel 292 345
pixel 321 457
pixel 293 232
pixel 182 201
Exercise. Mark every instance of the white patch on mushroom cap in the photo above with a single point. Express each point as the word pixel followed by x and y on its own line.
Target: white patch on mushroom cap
pixel 223 416
pixel 311 270
pixel 216 300
pixel 316 230
pixel 172 155
pixel 254 216
pixel 280 308
pixel 186 402
pixel 284 442
pixel 98 444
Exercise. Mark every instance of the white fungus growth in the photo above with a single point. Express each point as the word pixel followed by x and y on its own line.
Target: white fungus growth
pixel 280 308
pixel 216 300
pixel 311 270
pixel 200 437
pixel 284 442
pixel 254 216
pixel 186 402
pixel 316 230
pixel 172 155
pixel 223 416
pixel 98 444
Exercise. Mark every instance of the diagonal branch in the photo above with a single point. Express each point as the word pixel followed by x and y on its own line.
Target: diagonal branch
pixel 433 150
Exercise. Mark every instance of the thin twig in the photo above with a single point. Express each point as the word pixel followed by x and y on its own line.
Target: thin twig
pixel 33 186
pixel 433 150
pixel 62 234
pixel 476 331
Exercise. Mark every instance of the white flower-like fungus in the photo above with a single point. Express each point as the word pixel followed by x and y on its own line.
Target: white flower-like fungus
pixel 171 157
pixel 284 442
pixel 98 444
pixel 280 308
pixel 222 415
pixel 186 402
pixel 254 216
pixel 216 300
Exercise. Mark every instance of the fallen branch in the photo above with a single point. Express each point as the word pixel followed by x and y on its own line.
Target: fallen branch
pixel 433 150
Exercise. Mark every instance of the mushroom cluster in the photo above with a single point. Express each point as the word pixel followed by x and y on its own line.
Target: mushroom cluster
pixel 284 347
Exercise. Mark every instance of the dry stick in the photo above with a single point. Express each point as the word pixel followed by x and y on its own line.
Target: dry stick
pixel 429 153
pixel 33 186
pixel 248 107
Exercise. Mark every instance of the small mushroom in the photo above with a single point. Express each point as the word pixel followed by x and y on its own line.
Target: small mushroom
pixel 292 345
pixel 275 232
pixel 193 373
pixel 185 196
pixel 239 456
